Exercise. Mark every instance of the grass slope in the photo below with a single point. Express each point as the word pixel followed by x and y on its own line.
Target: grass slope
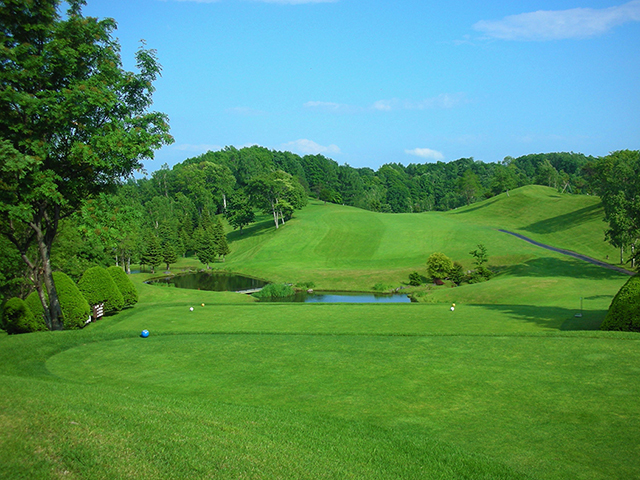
pixel 509 386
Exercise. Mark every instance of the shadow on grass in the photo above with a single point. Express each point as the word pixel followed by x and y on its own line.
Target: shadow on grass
pixel 485 204
pixel 566 221
pixel 258 228
pixel 559 318
pixel 558 267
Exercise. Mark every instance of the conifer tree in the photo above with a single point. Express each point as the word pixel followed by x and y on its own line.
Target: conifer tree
pixel 169 254
pixel 152 254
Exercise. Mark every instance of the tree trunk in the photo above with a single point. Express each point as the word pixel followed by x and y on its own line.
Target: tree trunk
pixel 621 255
pixel 44 249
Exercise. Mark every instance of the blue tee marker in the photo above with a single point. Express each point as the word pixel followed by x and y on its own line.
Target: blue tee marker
pixel 144 334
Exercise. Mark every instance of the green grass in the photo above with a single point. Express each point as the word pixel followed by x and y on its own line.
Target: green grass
pixel 510 385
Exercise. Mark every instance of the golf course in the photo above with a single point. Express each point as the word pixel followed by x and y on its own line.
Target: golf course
pixel 516 382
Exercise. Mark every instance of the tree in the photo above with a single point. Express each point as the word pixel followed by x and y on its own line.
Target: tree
pixel 152 254
pixel 469 186
pixel 616 179
pixel 439 265
pixel 205 245
pixel 277 193
pixel 239 213
pixel 73 122
pixel 169 254
pixel 222 246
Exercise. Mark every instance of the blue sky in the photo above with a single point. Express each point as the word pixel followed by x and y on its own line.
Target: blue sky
pixel 373 82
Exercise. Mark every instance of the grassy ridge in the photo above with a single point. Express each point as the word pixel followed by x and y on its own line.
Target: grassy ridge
pixel 510 385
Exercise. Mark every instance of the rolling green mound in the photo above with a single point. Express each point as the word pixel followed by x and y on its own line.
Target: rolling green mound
pixel 510 385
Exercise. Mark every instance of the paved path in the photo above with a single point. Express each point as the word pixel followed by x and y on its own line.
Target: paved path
pixel 570 253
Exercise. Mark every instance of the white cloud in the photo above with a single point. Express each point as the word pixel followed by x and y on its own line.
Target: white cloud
pixel 309 147
pixel 330 107
pixel 560 24
pixel 426 153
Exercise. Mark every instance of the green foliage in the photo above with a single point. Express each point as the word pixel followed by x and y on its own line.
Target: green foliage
pixel 479 255
pixel 73 122
pixel 457 274
pixel 275 290
pixel 415 279
pixel 624 312
pixel 18 318
pixel 98 286
pixel 125 285
pixel 152 254
pixel 75 309
pixel 439 265
pixel 616 179
pixel 168 254
pixel 306 285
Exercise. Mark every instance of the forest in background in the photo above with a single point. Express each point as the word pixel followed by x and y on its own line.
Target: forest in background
pixel 177 211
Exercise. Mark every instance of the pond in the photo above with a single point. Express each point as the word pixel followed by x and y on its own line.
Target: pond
pixel 228 282
pixel 343 297
pixel 211 281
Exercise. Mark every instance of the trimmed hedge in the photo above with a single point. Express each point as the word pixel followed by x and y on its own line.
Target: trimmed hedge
pixel 18 318
pixel 97 286
pixel 125 285
pixel 75 308
pixel 624 312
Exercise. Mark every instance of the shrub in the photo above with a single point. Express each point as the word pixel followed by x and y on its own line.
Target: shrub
pixel 97 286
pixel 125 285
pixel 18 318
pixel 275 290
pixel 34 304
pixel 457 274
pixel 624 312
pixel 75 308
pixel 439 265
pixel 415 279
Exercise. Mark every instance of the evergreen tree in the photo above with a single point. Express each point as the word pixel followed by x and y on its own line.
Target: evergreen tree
pixel 222 247
pixel 169 254
pixel 206 245
pixel 152 254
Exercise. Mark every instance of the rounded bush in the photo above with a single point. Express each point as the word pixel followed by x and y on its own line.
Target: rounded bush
pixel 125 285
pixel 34 304
pixel 75 308
pixel 18 318
pixel 624 312
pixel 439 265
pixel 97 286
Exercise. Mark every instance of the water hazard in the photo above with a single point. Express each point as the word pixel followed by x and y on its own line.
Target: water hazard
pixel 228 282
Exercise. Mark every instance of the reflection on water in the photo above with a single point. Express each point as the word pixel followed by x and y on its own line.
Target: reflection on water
pixel 228 282
pixel 211 281
pixel 343 297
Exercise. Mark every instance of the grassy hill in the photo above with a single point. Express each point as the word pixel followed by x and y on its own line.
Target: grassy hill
pixel 511 385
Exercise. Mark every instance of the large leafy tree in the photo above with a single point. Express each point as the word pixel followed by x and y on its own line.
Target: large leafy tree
pixel 73 123
pixel 616 178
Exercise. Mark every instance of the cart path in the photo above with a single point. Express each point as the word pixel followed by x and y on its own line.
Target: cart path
pixel 570 253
